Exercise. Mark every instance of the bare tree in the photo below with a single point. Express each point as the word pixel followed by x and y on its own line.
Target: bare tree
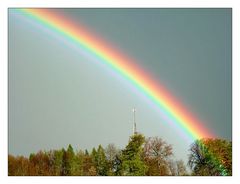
pixel 181 168
pixel 156 155
pixel 172 166
pixel 111 151
pixel 155 147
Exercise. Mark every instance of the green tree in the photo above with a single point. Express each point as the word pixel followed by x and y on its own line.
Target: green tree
pixel 79 158
pixel 211 157
pixel 100 161
pixel 86 152
pixel 58 161
pixel 68 161
pixel 94 156
pixel 117 164
pixel 132 165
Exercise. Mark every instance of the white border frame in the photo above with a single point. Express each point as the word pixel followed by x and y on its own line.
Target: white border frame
pixel 4 5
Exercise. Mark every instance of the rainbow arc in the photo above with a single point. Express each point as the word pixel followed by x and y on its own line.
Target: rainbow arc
pixel 124 66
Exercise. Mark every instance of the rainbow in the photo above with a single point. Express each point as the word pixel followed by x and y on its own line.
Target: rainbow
pixel 124 66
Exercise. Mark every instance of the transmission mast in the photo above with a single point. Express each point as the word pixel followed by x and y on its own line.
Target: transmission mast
pixel 134 121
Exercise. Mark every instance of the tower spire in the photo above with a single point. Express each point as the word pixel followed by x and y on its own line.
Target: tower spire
pixel 134 121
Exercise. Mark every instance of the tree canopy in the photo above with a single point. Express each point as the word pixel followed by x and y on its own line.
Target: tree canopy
pixel 142 156
pixel 211 157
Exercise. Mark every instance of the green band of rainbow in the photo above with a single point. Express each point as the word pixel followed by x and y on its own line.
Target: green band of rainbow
pixel 123 65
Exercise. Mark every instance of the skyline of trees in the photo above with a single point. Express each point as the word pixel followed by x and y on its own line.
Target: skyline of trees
pixel 142 156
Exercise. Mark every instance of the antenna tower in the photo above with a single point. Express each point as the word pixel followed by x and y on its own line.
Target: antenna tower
pixel 134 121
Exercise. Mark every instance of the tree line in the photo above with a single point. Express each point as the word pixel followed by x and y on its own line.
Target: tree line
pixel 141 157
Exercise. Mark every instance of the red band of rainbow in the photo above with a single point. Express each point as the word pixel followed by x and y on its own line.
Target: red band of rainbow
pixel 124 66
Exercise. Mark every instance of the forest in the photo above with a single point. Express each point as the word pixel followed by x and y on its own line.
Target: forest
pixel 142 156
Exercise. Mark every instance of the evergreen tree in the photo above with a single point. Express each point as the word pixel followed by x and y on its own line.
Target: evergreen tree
pixel 58 161
pixel 86 152
pixel 94 156
pixel 68 161
pixel 117 165
pixel 100 161
pixel 151 157
pixel 132 165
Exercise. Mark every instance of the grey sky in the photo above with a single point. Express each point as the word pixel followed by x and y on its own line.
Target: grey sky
pixel 57 96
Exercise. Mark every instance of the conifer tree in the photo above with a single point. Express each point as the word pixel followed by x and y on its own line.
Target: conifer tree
pixel 132 165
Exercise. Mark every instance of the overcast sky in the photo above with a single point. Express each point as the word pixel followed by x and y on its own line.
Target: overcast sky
pixel 58 96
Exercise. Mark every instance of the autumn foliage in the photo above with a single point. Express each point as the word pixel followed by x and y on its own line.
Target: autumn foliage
pixel 141 157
